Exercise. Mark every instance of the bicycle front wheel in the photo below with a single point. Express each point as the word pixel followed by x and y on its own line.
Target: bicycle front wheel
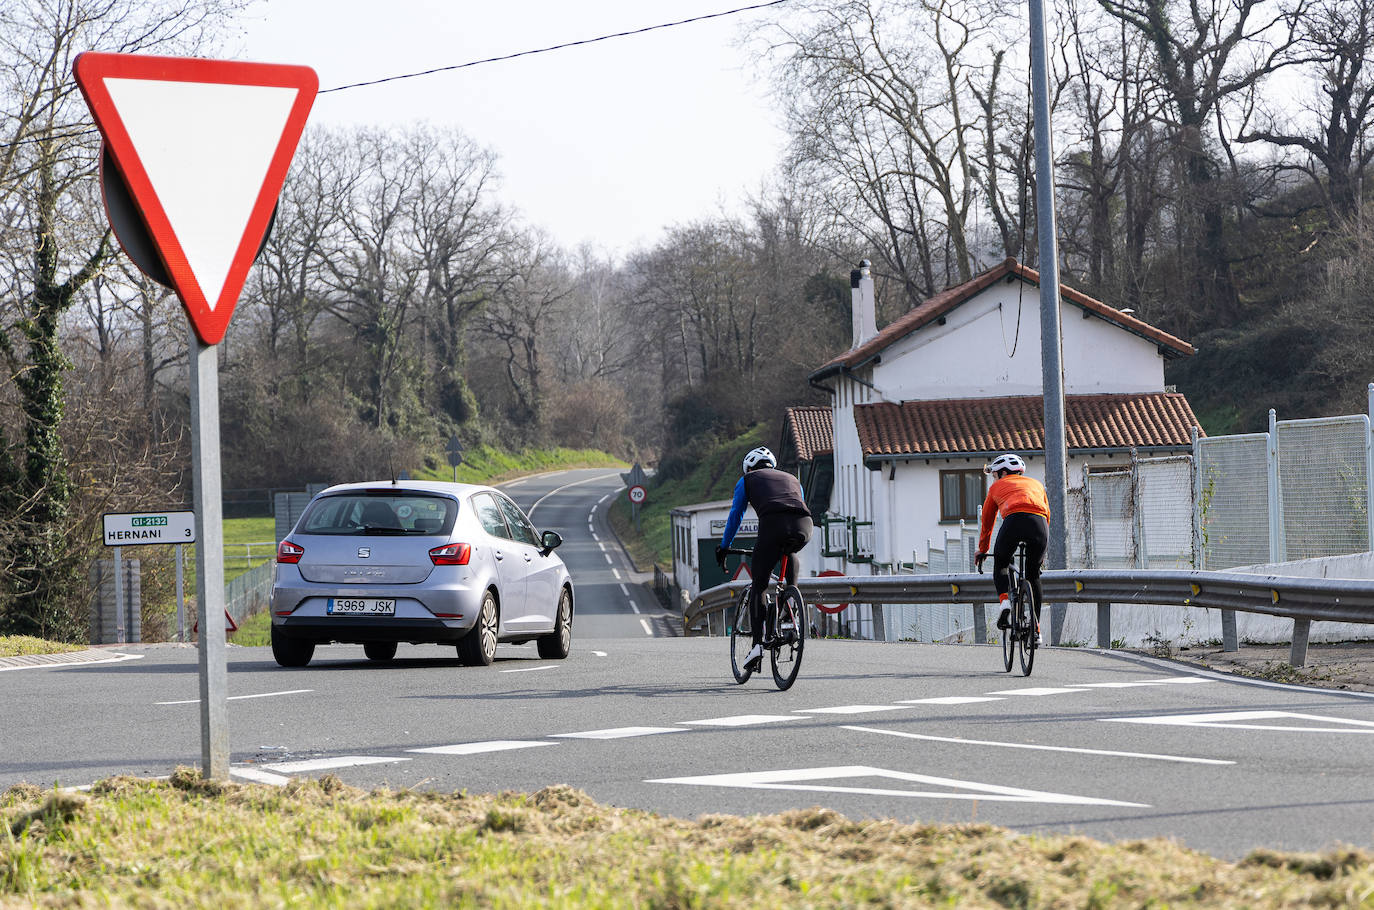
pixel 741 639
pixel 1025 622
pixel 789 637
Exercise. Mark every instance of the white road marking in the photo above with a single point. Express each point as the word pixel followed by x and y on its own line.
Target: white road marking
pixel 603 499
pixel 608 558
pixel 950 700
pixel 1142 682
pixel 620 732
pixel 530 511
pixel 1005 745
pixel 801 779
pixel 1033 690
pixel 645 623
pixel 599 653
pixel 324 764
pixel 592 530
pixel 1233 720
pixel 531 669
pixel 49 664
pixel 196 701
pixel 260 777
pixel 849 709
pixel 600 544
pixel 743 720
pixel 494 745
pixel 616 573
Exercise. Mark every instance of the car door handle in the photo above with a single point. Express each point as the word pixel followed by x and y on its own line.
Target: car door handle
pixel 528 557
pixel 500 555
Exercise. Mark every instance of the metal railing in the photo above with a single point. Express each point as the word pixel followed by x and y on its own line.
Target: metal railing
pixel 1304 600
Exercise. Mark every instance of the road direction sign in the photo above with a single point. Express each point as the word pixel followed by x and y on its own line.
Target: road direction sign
pixel 455 451
pixel 142 528
pixel 203 147
pixel 638 494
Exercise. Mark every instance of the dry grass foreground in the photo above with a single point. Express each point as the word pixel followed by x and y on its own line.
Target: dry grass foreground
pixel 194 843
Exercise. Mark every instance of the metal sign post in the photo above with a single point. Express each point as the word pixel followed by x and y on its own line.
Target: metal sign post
pixel 455 455
pixel 205 479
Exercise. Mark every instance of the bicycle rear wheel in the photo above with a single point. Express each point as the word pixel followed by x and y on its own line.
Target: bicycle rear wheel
pixel 1008 639
pixel 789 637
pixel 1025 622
pixel 741 638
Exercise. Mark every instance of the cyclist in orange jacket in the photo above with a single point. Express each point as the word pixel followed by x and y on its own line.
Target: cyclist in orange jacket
pixel 1025 510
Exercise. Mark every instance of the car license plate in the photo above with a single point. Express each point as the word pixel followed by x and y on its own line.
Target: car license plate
pixel 360 606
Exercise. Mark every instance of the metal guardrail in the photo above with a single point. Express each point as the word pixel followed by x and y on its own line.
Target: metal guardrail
pixel 1304 600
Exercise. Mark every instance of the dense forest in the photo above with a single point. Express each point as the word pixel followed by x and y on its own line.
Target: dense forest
pixel 1210 160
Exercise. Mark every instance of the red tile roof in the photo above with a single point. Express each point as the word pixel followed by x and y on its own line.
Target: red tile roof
pixel 933 308
pixel 962 426
pixel 810 431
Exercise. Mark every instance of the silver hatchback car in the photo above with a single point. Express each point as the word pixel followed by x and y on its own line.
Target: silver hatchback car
pixel 421 562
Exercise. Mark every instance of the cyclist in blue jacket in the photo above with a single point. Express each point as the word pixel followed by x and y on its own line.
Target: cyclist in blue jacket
pixel 784 528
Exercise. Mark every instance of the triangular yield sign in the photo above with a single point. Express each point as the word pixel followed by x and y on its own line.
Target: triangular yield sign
pixel 204 147
pixel 742 571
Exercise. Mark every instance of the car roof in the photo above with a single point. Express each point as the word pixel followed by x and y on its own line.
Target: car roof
pixel 458 490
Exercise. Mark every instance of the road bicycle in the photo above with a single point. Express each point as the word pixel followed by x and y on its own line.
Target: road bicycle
pixel 784 629
pixel 1022 635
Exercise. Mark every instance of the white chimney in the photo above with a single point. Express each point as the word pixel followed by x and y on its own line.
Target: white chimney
pixel 865 316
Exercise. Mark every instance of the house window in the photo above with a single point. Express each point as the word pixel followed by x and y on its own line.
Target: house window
pixel 961 493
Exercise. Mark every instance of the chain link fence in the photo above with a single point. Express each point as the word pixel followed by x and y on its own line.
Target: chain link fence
pixel 1323 486
pixel 1232 500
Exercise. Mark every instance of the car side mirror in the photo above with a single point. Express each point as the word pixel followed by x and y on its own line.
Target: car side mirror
pixel 551 541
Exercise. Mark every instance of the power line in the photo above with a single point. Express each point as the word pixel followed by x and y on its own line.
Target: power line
pixel 459 66
pixel 556 47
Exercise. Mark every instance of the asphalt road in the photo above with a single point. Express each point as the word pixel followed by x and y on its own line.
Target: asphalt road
pixel 1101 744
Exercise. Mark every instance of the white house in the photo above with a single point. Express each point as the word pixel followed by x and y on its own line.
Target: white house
pixel 918 408
pixel 697 529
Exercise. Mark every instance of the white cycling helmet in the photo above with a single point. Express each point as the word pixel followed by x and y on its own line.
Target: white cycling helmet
pixel 1008 462
pixel 759 458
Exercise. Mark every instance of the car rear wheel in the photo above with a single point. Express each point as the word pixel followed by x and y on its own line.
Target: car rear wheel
pixel 478 647
pixel 290 651
pixel 558 645
pixel 380 650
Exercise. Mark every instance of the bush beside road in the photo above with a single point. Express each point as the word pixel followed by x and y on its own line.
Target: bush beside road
pixel 320 843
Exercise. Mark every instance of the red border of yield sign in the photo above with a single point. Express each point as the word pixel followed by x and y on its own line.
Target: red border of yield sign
pixel 92 69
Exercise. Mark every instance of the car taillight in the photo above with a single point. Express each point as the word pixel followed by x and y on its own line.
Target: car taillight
pixel 289 552
pixel 451 554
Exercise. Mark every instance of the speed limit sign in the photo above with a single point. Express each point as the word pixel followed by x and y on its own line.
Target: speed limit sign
pixel 638 494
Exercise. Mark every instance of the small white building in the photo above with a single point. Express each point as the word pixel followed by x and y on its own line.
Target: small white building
pixel 918 408
pixel 697 530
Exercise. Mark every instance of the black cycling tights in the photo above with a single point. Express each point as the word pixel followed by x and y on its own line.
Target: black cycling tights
pixel 779 535
pixel 1017 527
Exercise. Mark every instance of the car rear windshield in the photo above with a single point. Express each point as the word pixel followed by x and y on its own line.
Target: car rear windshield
pixel 364 513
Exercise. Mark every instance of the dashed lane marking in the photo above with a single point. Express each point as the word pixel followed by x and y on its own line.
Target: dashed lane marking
pixel 324 764
pixel 1006 745
pixel 743 720
pixel 648 630
pixel 950 700
pixel 849 709
pixel 196 701
pixel 1242 720
pixel 531 669
pixel 608 559
pixel 493 745
pixel 616 573
pixel 603 499
pixel 530 511
pixel 599 653
pixel 1033 690
pixel 620 732
pixel 804 779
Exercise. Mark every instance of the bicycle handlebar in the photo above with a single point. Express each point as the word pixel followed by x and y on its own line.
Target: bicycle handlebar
pixel 737 551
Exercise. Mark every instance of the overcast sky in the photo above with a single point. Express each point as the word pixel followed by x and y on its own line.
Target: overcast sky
pixel 605 144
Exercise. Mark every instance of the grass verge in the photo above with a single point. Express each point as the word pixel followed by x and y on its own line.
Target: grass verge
pixel 20 645
pixel 319 843
pixel 483 464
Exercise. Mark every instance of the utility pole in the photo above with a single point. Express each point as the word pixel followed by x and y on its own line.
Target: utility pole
pixel 1051 342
